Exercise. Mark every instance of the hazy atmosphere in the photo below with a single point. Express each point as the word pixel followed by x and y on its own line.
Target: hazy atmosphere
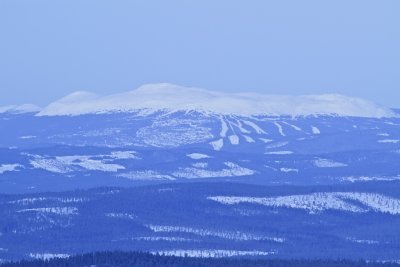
pixel 199 133
pixel 49 49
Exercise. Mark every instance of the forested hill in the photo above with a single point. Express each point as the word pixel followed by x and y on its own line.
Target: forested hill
pixel 136 259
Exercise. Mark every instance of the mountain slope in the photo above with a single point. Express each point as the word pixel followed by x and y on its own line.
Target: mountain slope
pixel 169 133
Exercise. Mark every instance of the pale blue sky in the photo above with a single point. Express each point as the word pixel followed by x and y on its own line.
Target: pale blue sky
pixel 51 48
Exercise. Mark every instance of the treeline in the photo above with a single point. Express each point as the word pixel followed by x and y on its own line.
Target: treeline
pixel 138 259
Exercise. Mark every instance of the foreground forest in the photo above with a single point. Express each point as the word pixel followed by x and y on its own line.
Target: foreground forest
pixel 136 259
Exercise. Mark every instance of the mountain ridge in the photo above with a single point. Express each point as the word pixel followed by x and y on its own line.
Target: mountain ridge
pixel 164 96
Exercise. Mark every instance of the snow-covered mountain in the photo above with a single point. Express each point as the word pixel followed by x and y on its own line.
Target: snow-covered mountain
pixel 163 133
pixel 154 97
pixel 20 109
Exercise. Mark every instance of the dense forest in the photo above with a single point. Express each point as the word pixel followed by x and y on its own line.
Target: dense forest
pixel 136 259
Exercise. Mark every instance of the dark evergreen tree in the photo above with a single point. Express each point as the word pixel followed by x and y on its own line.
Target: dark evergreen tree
pixel 138 259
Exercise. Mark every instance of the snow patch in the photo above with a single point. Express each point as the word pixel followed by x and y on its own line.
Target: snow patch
pixel 29 201
pixel 383 134
pixel 50 165
pixel 318 202
pixel 284 152
pixel 48 256
pixel 293 126
pixel 201 165
pixel 217 144
pixel 315 130
pixel 66 164
pixel 212 253
pixel 232 170
pixel 9 167
pixel 231 235
pixel 128 216
pixel 289 170
pixel 280 129
pixel 197 156
pixel 388 141
pixel 163 238
pixel 145 175
pixel 27 137
pixel 54 210
pixel 354 179
pixel 276 145
pixel 89 164
pixel 234 139
pixel 326 163
pixel 224 128
pixel 362 241
pixel 266 140
pixel 123 155
pixel 248 139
